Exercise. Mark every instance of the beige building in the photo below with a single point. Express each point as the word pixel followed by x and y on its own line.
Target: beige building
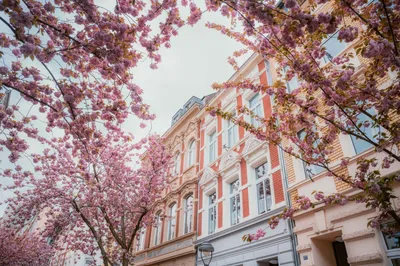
pixel 338 235
pixel 170 240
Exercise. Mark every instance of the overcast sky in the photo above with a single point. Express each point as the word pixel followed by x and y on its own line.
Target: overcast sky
pixel 197 58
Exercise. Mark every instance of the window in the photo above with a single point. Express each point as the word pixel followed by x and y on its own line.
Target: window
pixel 212 213
pixel 333 47
pixel 188 214
pixel 232 133
pixel 89 261
pixel 292 84
pixel 235 202
pixel 359 144
pixel 192 153
pixel 391 235
pixel 309 169
pixel 177 164
pixel 212 146
pixel 172 221
pixel 255 107
pixel 140 239
pixel 268 70
pixel 264 197
pixel 157 229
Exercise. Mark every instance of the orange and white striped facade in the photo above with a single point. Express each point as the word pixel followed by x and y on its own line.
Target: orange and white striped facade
pixel 241 180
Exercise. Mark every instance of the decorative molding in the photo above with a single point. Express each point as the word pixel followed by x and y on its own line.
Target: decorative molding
pixel 345 215
pixel 190 128
pixel 303 229
pixel 330 225
pixel 358 235
pixel 316 229
pixel 229 159
pixel 208 175
pixel 364 259
pixel 251 145
pixel 303 248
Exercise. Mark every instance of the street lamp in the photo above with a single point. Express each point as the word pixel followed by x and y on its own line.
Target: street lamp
pixel 206 251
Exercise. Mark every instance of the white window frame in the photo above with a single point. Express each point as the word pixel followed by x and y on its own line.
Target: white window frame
pixel 141 239
pixel 374 131
pixel 158 229
pixel 231 131
pixel 192 153
pixel 88 261
pixel 390 253
pixel 268 72
pixel 310 170
pixel 256 108
pixel 188 215
pixel 268 203
pixel 212 207
pixel 325 60
pixel 177 164
pixel 212 146
pixel 289 88
pixel 172 221
pixel 234 197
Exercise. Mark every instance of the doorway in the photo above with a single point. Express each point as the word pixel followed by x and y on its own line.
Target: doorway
pixel 329 250
pixel 339 249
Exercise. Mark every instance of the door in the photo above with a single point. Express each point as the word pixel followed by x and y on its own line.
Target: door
pixel 340 253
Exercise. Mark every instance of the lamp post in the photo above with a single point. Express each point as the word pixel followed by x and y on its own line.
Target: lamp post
pixel 206 251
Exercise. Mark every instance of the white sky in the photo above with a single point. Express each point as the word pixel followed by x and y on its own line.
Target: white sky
pixel 197 58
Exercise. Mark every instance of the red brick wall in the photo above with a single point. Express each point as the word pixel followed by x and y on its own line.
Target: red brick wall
pixel 220 189
pixel 240 103
pixel 178 216
pixel 243 172
pixel 273 153
pixel 278 186
pixel 261 65
pixel 245 199
pixel 219 130
pixel 201 199
pixel 199 231
pixel 220 214
pixel 195 209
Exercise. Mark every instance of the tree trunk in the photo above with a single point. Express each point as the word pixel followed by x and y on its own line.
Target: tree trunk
pixel 125 261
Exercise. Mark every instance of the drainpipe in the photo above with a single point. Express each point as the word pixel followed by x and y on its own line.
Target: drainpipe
pixel 286 185
pixel 290 222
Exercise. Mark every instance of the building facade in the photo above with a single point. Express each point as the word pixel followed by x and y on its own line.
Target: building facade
pixel 241 182
pixel 338 235
pixel 171 240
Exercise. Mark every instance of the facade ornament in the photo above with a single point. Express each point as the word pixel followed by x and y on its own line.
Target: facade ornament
pixel 251 145
pixel 345 215
pixel 358 235
pixel 367 258
pixel 208 175
pixel 330 225
pixel 229 159
pixel 303 248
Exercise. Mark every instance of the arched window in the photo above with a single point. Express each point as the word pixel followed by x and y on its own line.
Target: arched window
pixel 188 218
pixel 140 239
pixel 177 164
pixel 157 229
pixel 192 153
pixel 172 221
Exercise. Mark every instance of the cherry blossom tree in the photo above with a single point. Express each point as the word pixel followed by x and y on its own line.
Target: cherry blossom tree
pixel 334 95
pixel 94 198
pixel 25 249
pixel 70 64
